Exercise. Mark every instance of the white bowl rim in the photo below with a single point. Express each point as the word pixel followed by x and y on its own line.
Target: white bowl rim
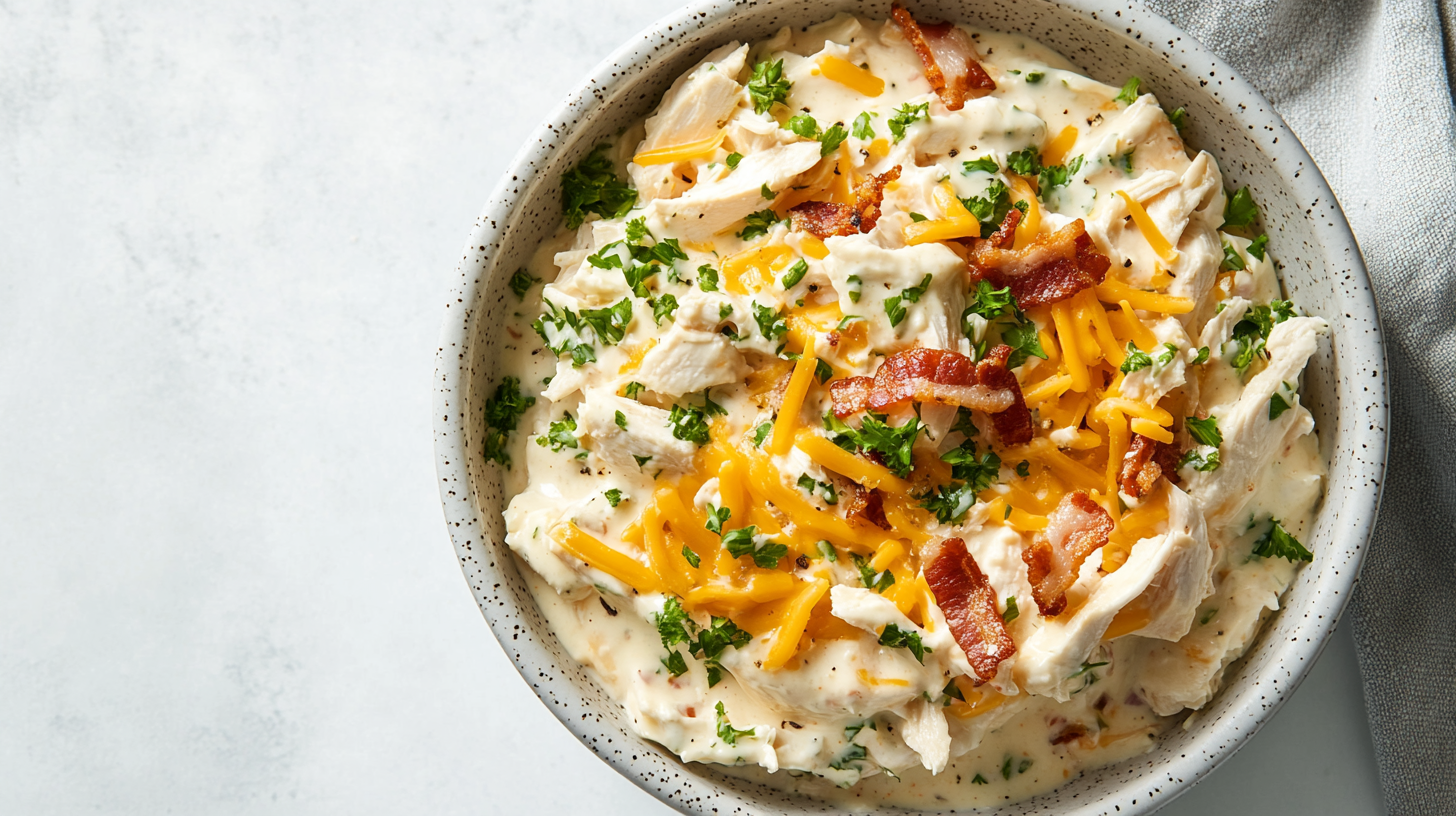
pixel 586 99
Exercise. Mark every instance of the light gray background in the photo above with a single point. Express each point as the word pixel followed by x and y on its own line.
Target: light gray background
pixel 225 585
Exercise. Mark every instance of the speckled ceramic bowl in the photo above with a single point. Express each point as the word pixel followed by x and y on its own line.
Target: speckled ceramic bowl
pixel 1322 272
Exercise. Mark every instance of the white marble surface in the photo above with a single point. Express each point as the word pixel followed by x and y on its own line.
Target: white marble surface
pixel 225 237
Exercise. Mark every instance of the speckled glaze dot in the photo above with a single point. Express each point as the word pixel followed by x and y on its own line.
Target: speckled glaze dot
pixel 1345 385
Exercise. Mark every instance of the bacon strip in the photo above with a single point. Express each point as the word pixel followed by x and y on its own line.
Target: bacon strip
pixel 946 377
pixel 1013 425
pixel 1147 460
pixel 1051 269
pixel 968 601
pixel 1076 528
pixel 826 218
pixel 867 506
pixel 920 375
pixel 952 65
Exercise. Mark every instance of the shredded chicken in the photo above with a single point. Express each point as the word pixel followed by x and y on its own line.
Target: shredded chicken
pixel 1075 528
pixel 968 601
pixel 952 65
pixel 1050 269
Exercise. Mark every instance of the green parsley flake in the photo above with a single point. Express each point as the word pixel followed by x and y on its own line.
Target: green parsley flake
pixel 985 164
pixel 522 281
pixel 768 86
pixel 1205 430
pixel 894 638
pixel 1012 612
pixel 765 552
pixel 832 138
pixel 502 414
pixel 862 127
pixel 733 160
pixel 907 115
pixel 593 187
pixel 1240 210
pixel 1136 360
pixel 726 731
pixel 758 224
pixel 707 278
pixel 692 557
pixel 794 274
pixel 1278 543
pixel 761 433
pixel 1277 405
pixel 1129 92
pixel 560 434
pixel 614 496
pixel 621 420
pixel 716 517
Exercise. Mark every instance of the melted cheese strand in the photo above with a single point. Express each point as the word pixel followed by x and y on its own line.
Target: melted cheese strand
pixel 793 403
pixel 682 152
pixel 1149 229
pixel 851 76
pixel 599 556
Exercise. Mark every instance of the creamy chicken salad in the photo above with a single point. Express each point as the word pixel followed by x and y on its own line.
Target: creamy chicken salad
pixel 906 413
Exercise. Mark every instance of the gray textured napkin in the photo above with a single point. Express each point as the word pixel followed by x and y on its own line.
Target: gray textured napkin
pixel 1366 86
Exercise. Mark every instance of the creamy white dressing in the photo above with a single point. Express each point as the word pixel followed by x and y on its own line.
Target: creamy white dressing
pixel 807 717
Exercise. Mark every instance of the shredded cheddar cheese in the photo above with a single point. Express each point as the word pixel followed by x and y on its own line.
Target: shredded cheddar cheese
pixel 682 152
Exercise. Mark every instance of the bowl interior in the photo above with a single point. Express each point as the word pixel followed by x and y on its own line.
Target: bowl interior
pixel 1321 270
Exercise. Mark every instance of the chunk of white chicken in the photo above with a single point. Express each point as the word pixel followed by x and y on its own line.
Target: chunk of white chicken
pixel 688 361
pixel 713 207
pixel 1250 437
pixel 1169 368
pixel 647 434
pixel 693 109
pixel 931 317
pixel 1164 579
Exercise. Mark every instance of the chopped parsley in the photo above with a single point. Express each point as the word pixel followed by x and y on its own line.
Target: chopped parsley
pixel 1277 405
pixel 1129 92
pixel 726 731
pixel 767 193
pixel 827 550
pixel 621 420
pixel 990 302
pixel 1232 260
pixel 761 433
pixel 831 139
pixel 562 329
pixel 641 460
pixel 1278 543
pixel 633 389
pixel 862 127
pixel 893 308
pixel 522 281
pixel 502 413
pixel 1025 162
pixel 664 306
pixel 1024 342
pixel 768 86
pixel 713 641
pixel 689 424
pixel 1201 357
pixel 1035 76
pixel 979 780
pixel 716 517
pixel 1205 430
pixel 593 187
pixel 1167 357
pixel 855 286
pixel 854 753
pixel 614 496
pixel 794 274
pixel 985 164
pixel 1057 175
pixel 1258 246
pixel 1179 118
pixel 733 160
pixel 803 125
pixel 1011 613
pixel 1200 462
pixel 560 435
pixel 824 489
pixel 991 208
pixel 1136 360
pixel 772 324
pixel 896 639
pixel 892 445
pixel 692 557
pixel 951 502
pixel 746 541
pixel 758 224
pixel 707 278
pixel 1240 209
pixel 879 582
pixel 907 115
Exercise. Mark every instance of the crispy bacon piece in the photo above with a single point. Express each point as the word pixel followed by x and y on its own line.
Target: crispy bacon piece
pixel 951 63
pixel 1052 268
pixel 1147 460
pixel 1005 236
pixel 862 505
pixel 968 601
pixel 946 377
pixel 1071 732
pixel 1075 528
pixel 1013 425
pixel 826 218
